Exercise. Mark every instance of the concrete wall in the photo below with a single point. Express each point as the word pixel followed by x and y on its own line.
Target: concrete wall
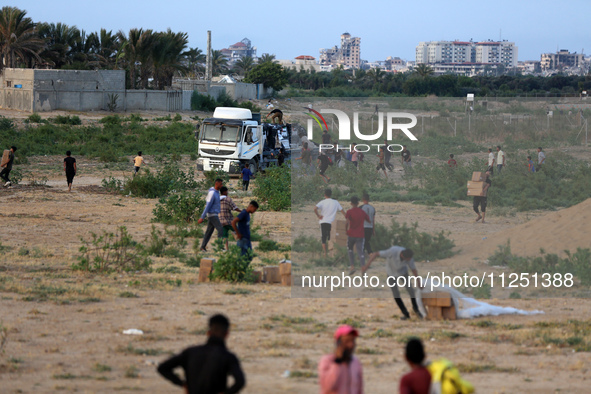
pixel 17 99
pixel 79 80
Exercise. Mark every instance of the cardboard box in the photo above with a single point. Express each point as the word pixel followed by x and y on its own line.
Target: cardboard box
pixel 449 313
pixel 205 268
pixel 5 158
pixel 472 192
pixel 286 280
pixel 437 298
pixel 271 274
pixel 477 176
pixel 284 269
pixel 434 313
pixel 476 185
pixel 340 225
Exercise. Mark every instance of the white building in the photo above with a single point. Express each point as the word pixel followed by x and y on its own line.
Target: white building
pixel 457 52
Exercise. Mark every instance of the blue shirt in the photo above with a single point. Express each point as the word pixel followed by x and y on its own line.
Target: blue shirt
pixel 531 165
pixel 246 174
pixel 244 224
pixel 212 206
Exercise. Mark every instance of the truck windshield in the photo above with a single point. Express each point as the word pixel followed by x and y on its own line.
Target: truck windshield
pixel 219 133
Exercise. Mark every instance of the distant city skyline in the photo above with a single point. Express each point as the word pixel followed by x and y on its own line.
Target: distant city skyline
pixel 292 29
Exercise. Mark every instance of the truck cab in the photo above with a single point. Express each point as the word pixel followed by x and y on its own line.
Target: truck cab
pixel 233 138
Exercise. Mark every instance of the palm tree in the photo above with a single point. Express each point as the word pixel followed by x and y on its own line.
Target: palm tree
pixel 376 75
pixel 133 47
pixel 168 55
pixel 104 48
pixel 244 64
pixel 266 58
pixel 62 42
pixel 423 70
pixel 219 62
pixel 195 60
pixel 19 40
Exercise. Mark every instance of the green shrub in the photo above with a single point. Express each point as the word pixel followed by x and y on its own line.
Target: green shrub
pixel 170 178
pixel 177 118
pixel 251 106
pixel 184 207
pixel 136 118
pixel 6 124
pixel 211 176
pixel 112 120
pixel 111 252
pixel 306 244
pixel 34 118
pixel 273 188
pixel 201 102
pixel 67 120
pixel 268 245
pixel 112 185
pixel 231 266
pixel 424 245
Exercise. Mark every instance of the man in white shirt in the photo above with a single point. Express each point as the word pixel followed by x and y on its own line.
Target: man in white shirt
pixel 491 161
pixel 500 159
pixel 398 261
pixel 326 210
pixel 541 158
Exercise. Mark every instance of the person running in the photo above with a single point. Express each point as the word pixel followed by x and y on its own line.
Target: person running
pixel 481 200
pixel 531 167
pixel 368 225
pixel 246 176
pixel 406 157
pixel 306 157
pixel 137 163
pixel 541 158
pixel 491 161
pixel 207 367
pixel 227 205
pixel 341 372
pixel 387 156
pixel 382 163
pixel 452 163
pixel 70 169
pixel 277 115
pixel 500 159
pixel 7 167
pixel 212 211
pixel 356 218
pixel 326 211
pixel 398 261
pixel 418 380
pixel 241 225
pixel 323 163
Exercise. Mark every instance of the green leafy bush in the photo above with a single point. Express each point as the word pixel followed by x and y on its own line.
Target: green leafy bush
pixel 268 245
pixel 273 188
pixel 211 176
pixel 424 245
pixel 112 185
pixel 177 118
pixel 155 185
pixel 184 207
pixel 202 102
pixel 6 124
pixel 111 252
pixel 34 118
pixel 112 120
pixel 306 244
pixel 231 266
pixel 67 120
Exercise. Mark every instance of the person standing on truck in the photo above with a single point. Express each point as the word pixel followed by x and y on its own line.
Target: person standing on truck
pixel 7 166
pixel 246 175
pixel 277 114
pixel 211 211
pixel 69 169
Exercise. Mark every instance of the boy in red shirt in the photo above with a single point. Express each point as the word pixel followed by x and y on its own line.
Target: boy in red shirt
pixel 356 217
pixel 418 381
pixel 452 163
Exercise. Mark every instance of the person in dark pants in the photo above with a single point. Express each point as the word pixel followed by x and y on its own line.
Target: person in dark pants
pixel 208 366
pixel 277 115
pixel 8 167
pixel 241 225
pixel 211 211
pixel 481 200
pixel 246 175
pixel 281 157
pixel 369 225
pixel 387 156
pixel 70 169
pixel 398 261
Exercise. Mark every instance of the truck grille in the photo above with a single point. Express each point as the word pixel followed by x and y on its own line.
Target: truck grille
pixel 220 153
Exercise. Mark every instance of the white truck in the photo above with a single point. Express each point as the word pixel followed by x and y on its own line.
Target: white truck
pixel 233 138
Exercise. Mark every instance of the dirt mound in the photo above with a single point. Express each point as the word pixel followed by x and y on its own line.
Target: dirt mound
pixel 567 229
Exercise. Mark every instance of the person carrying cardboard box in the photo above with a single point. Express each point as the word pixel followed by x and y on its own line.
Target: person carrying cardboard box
pixel 7 160
pixel 481 199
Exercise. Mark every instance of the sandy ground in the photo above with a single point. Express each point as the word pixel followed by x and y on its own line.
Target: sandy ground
pixel 73 341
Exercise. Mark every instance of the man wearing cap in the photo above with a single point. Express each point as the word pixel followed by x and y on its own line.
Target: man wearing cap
pixel 341 372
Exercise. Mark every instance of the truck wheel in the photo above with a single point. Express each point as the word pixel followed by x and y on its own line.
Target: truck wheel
pixel 253 166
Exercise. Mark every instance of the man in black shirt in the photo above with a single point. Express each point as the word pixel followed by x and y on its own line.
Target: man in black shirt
pixel 406 159
pixel 207 366
pixel 277 114
pixel 323 163
pixel 70 169
pixel 8 167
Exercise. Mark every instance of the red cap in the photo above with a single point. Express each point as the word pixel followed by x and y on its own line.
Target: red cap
pixel 345 330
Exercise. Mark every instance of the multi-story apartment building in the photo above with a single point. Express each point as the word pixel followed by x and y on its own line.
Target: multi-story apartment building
pixel 467 52
pixel 240 49
pixel 562 59
pixel 348 55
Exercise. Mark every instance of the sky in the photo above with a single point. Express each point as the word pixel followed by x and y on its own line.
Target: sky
pixel 289 29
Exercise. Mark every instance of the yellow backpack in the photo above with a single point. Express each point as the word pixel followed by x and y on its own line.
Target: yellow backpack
pixel 445 378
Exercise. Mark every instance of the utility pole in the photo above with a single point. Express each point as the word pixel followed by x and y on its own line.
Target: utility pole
pixel 208 64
